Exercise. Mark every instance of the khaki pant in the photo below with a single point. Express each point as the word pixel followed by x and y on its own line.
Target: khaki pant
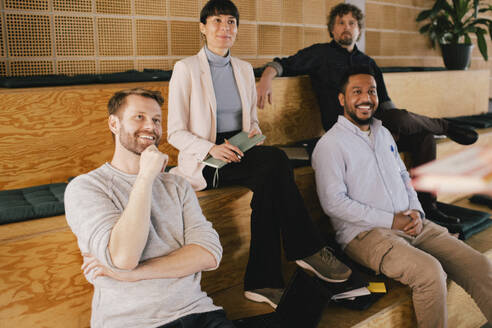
pixel 422 263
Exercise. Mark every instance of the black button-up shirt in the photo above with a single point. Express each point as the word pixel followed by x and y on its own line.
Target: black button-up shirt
pixel 325 63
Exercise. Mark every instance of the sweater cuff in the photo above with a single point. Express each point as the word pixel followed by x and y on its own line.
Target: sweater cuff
pixel 276 66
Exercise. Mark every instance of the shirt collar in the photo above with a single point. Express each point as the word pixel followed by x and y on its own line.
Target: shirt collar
pixel 336 45
pixel 216 60
pixel 343 121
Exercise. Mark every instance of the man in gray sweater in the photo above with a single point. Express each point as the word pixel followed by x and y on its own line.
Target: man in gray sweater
pixel 142 233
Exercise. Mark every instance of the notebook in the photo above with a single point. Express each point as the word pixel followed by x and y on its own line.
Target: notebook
pixel 301 305
pixel 241 141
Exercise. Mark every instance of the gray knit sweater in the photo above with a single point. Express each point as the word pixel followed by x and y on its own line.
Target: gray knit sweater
pixel 93 204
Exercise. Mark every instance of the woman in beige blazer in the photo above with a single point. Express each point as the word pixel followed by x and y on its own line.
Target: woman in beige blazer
pixel 212 96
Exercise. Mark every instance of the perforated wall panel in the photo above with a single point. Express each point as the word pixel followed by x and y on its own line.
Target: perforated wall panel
pixel 102 36
pixel 74 67
pixel 29 35
pixel 151 38
pixel 28 68
pixel 115 37
pixel 74 36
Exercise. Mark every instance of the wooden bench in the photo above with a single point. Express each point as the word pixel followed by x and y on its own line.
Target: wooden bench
pixel 50 134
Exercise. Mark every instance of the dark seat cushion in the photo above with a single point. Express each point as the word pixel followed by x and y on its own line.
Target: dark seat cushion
pixel 31 203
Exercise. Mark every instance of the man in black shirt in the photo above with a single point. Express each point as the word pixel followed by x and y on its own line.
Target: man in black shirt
pixel 325 63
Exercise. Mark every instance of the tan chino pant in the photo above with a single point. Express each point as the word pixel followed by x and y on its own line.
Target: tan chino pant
pixel 422 263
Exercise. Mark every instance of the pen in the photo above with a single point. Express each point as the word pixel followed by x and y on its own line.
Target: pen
pixel 227 142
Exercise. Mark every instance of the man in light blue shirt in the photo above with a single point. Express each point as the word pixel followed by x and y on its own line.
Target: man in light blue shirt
pixel 365 188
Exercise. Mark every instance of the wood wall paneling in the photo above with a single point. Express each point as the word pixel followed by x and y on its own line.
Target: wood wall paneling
pixel 29 35
pixel 84 6
pixel 184 8
pixel 292 39
pixel 247 10
pixel 314 12
pixel 314 35
pixel 185 38
pixel 246 40
pixel 269 11
pixel 268 39
pixel 74 36
pixel 292 11
pixel 115 37
pixel 73 67
pixel 151 38
pixel 122 7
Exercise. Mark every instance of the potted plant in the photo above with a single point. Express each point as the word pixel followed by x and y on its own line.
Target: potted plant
pixel 450 24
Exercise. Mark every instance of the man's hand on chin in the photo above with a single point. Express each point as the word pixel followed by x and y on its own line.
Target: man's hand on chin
pixel 152 162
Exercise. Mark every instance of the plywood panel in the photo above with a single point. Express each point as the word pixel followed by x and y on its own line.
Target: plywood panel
pixel 282 121
pixel 415 3
pixel 468 95
pixel 427 61
pixel 41 283
pixel 3 68
pixel 65 129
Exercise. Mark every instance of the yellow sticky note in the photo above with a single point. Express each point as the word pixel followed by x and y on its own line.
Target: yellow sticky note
pixel 377 287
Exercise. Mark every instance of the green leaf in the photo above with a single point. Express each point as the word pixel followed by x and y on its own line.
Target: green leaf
pixel 424 15
pixel 467 39
pixel 424 29
pixel 475 8
pixel 482 44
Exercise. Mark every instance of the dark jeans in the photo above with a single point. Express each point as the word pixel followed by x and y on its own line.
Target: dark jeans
pixel 213 319
pixel 414 134
pixel 278 214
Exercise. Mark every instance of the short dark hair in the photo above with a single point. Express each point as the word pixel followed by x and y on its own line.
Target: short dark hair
pixel 219 7
pixel 341 10
pixel 118 99
pixel 354 70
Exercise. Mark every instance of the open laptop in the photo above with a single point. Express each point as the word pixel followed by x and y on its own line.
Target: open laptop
pixel 301 305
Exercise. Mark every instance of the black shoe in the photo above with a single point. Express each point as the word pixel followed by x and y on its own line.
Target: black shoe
pixel 435 214
pixel 461 134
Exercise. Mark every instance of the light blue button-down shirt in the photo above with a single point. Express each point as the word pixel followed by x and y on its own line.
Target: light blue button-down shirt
pixel 361 179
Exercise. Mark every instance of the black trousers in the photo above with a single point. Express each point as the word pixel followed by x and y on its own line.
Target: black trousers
pixel 278 214
pixel 213 319
pixel 414 134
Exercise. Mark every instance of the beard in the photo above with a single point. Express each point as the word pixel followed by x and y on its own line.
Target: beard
pixel 366 121
pixel 131 141
pixel 345 39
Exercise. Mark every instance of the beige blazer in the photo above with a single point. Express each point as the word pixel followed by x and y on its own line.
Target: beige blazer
pixel 192 112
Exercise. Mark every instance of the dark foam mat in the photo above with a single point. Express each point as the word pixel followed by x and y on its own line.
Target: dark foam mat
pixel 472 221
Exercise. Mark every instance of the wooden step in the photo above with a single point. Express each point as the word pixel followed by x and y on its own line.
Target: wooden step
pixel 395 309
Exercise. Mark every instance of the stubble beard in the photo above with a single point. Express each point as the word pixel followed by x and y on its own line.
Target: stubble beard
pixel 130 141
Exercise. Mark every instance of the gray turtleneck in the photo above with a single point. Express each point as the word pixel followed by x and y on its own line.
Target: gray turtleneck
pixel 229 108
